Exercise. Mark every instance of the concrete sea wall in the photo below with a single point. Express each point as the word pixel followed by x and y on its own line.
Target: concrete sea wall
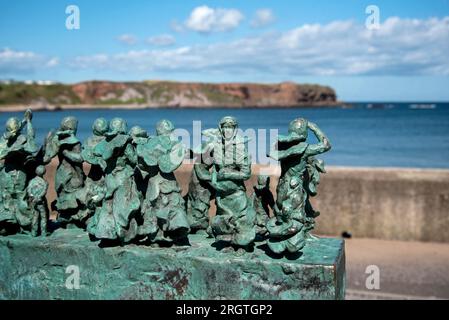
pixel 393 204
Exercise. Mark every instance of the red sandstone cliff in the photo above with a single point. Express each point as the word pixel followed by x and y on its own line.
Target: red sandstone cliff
pixel 170 94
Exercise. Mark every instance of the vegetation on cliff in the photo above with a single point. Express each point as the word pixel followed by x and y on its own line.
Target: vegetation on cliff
pixel 167 94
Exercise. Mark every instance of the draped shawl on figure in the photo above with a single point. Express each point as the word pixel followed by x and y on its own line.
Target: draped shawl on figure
pixel 163 208
pixel 69 174
pixel 18 161
pixel 114 219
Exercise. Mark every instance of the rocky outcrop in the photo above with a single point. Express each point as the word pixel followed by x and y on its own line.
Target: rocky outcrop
pixel 169 94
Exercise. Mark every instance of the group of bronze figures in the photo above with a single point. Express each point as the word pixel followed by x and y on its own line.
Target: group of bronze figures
pixel 131 194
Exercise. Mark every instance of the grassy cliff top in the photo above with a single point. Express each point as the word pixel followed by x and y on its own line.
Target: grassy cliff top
pixel 154 93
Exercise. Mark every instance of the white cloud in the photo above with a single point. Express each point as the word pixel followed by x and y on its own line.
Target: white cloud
pixel 399 47
pixel 12 61
pixel 263 18
pixel 162 40
pixel 127 39
pixel 205 19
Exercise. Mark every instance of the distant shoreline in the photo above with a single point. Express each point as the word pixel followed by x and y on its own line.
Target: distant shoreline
pixel 75 107
pixel 17 96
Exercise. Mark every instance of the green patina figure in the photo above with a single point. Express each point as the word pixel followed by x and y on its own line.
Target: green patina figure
pixel 37 202
pixel 131 191
pixel 199 195
pixel 115 218
pixel 294 216
pixel 163 209
pixel 230 165
pixel 263 200
pixel 139 136
pixel 19 158
pixel 99 129
pixel 94 186
pixel 70 202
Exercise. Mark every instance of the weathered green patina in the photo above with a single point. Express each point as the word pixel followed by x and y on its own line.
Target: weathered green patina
pixel 263 201
pixel 227 165
pixel 198 197
pixel 19 158
pixel 31 269
pixel 163 207
pixel 131 196
pixel 115 218
pixel 69 182
pixel 95 187
pixel 37 201
pixel 294 218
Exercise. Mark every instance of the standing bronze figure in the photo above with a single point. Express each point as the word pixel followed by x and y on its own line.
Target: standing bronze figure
pixel 300 171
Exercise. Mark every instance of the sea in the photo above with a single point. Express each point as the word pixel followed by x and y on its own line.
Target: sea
pixel 364 134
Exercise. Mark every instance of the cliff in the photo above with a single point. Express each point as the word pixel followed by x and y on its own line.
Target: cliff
pixel 167 94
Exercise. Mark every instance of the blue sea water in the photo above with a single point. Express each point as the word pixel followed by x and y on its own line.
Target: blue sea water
pixel 379 135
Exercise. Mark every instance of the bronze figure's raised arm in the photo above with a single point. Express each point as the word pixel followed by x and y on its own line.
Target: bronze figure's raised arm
pixel 294 217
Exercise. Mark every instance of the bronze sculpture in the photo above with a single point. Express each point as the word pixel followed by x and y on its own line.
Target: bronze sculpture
pixel 37 201
pixel 115 219
pixel 263 201
pixel 131 192
pixel 95 187
pixel 294 216
pixel 70 177
pixel 230 167
pixel 163 208
pixel 19 158
pixel 200 192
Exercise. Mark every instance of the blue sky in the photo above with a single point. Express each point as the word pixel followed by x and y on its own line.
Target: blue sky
pixel 318 41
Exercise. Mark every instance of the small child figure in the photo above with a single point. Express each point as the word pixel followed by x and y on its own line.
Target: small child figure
pixel 37 191
pixel 262 200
